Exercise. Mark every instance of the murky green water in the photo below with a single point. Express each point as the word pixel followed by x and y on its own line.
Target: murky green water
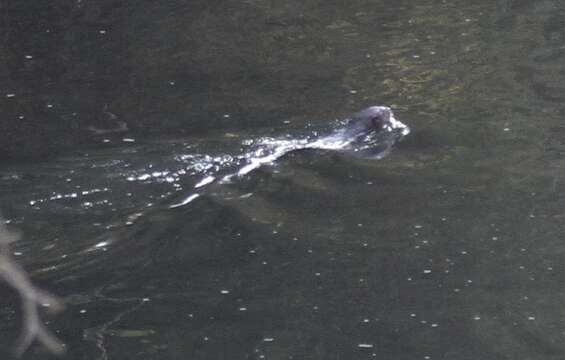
pixel 451 247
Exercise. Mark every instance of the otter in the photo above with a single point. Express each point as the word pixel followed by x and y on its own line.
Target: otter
pixel 374 118
pixel 370 133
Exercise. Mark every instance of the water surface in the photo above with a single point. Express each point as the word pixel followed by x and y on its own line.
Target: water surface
pixel 448 248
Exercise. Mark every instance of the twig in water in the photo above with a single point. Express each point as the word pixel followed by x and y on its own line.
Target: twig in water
pixel 32 298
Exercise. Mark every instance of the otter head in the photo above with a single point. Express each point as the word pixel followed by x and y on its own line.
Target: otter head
pixel 378 118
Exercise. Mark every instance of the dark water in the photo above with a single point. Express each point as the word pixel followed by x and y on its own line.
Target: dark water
pixel 449 248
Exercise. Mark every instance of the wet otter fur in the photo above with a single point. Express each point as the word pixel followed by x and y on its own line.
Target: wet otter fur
pixel 374 118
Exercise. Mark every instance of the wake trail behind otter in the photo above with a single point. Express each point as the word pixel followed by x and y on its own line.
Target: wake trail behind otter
pixel 373 144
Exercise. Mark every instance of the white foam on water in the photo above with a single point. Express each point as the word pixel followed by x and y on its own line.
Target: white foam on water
pixel 207 180
pixel 185 201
